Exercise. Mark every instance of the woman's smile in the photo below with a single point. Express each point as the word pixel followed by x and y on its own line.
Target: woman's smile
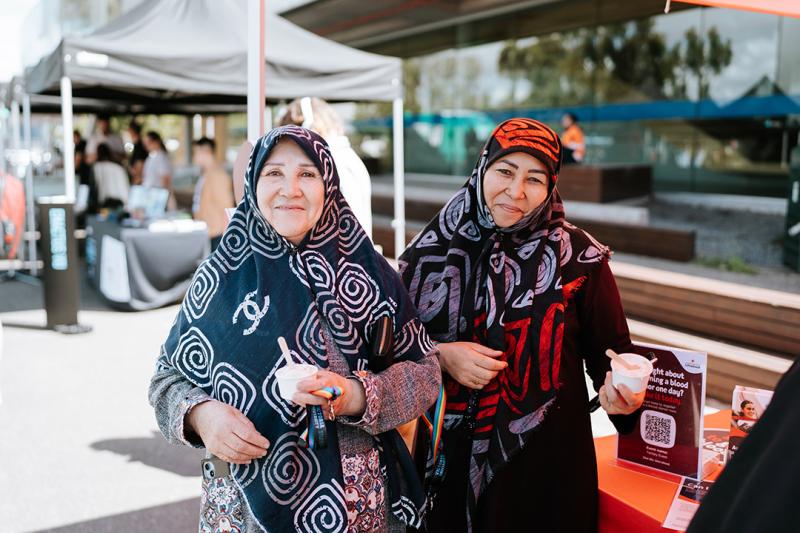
pixel 289 208
pixel 509 208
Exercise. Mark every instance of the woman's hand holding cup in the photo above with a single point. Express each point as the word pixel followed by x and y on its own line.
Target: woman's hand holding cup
pixel 226 432
pixel 620 400
pixel 471 364
pixel 352 401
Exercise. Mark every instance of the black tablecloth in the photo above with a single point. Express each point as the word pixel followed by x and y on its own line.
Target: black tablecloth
pixel 141 268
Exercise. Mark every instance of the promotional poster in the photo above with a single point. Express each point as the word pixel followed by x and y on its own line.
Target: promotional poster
pixel 668 435
pixel 747 406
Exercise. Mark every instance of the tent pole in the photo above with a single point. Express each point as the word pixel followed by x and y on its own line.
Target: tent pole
pixel 16 133
pixel 30 223
pixel 399 222
pixel 255 70
pixel 69 145
pixel 188 131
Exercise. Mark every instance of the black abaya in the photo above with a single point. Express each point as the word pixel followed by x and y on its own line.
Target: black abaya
pixel 551 484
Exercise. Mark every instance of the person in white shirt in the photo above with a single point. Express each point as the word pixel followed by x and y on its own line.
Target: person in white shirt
pixel 157 171
pixel 316 114
pixel 110 179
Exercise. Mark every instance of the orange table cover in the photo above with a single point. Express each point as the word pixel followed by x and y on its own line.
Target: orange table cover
pixel 789 8
pixel 633 499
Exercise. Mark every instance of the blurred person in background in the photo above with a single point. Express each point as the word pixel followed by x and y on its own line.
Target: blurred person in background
pixel 84 176
pixel 573 139
pixel 157 170
pixel 103 134
pixel 213 192
pixel 110 179
pixel 317 115
pixel 139 153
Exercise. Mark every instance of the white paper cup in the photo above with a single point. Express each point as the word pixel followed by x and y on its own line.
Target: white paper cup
pixel 636 380
pixel 289 376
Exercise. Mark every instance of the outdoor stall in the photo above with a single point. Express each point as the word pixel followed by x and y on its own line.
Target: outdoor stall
pixel 139 267
pixel 158 58
pixel 654 477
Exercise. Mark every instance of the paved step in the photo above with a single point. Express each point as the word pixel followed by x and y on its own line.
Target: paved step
pixel 728 365
pixel 762 319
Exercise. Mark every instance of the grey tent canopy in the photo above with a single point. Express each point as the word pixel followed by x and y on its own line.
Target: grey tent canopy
pixel 13 92
pixel 191 55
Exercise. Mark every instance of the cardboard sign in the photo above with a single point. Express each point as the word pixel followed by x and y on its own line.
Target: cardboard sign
pixel 668 435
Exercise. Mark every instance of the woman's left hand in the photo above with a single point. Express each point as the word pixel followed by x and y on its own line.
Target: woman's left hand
pixel 619 400
pixel 352 402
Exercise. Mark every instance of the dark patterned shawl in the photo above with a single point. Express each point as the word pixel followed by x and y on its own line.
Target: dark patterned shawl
pixel 256 287
pixel 503 288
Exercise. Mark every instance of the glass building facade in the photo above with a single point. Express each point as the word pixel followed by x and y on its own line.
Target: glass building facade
pixel 709 97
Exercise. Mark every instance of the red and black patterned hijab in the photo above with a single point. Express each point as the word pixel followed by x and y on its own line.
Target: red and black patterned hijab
pixel 505 288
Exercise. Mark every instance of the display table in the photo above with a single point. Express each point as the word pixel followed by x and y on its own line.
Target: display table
pixel 632 500
pixel 147 267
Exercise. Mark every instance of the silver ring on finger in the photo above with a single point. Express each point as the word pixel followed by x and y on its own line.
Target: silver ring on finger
pixel 331 411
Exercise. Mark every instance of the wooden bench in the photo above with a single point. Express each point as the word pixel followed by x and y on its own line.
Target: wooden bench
pixel 728 365
pixel 665 243
pixel 759 318
pixel 417 210
pixel 383 233
pixel 604 183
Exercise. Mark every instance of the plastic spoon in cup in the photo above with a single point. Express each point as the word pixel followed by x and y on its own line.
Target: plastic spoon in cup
pixel 286 354
pixel 620 361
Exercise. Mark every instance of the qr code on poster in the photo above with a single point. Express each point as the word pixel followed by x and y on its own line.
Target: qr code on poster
pixel 658 429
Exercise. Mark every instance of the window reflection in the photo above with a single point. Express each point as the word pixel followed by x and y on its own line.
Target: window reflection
pixel 709 97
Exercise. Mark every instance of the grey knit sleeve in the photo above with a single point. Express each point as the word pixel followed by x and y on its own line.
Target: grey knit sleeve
pixel 172 397
pixel 397 395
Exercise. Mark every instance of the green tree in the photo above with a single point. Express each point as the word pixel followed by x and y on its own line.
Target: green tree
pixel 514 62
pixel 631 62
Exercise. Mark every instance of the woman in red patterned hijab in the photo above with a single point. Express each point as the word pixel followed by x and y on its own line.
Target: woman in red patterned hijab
pixel 517 298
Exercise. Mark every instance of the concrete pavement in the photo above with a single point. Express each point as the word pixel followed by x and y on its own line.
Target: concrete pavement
pixel 79 446
pixel 80 450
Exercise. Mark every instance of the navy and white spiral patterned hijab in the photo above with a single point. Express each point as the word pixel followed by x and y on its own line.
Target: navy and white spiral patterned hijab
pixel 256 287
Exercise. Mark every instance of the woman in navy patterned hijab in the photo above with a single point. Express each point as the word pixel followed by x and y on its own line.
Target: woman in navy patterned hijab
pixel 295 263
